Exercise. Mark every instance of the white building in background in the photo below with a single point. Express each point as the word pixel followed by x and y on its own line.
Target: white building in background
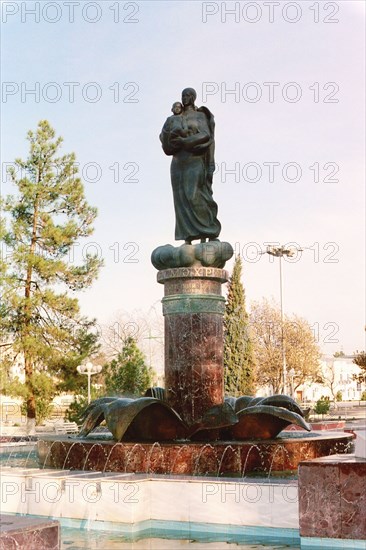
pixel 337 373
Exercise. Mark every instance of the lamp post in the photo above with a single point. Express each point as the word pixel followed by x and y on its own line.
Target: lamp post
pixel 150 337
pixel 89 369
pixel 279 252
pixel 291 374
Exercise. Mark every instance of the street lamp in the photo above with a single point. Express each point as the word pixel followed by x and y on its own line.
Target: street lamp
pixel 150 337
pixel 279 252
pixel 89 369
pixel 291 374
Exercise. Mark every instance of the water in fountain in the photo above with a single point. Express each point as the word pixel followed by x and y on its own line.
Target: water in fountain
pixel 30 455
pixel 67 455
pixel 95 445
pixel 90 539
pixel 136 446
pixel 18 452
pixel 247 457
pixel 57 443
pixel 197 461
pixel 227 448
pixel 109 455
pixel 154 446
pixel 284 453
pixel 181 449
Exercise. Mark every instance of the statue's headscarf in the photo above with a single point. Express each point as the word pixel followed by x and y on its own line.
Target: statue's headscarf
pixel 190 91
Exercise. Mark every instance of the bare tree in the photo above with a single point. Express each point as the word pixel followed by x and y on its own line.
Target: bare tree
pixel 329 380
pixel 302 352
pixel 146 328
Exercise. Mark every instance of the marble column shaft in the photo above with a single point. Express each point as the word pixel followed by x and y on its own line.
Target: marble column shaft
pixel 193 309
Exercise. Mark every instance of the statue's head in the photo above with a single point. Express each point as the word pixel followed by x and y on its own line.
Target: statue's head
pixel 189 96
pixel 177 108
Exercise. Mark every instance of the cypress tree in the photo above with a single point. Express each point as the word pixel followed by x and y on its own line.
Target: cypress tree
pixel 238 348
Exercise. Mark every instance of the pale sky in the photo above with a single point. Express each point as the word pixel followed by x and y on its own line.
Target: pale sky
pixel 105 75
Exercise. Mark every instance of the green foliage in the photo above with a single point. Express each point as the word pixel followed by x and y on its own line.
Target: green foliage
pixel 339 396
pixel 238 348
pixel 75 410
pixel 42 223
pixel 322 406
pixel 6 361
pixel 128 373
pixel 44 392
pixel 360 361
pixel 363 396
pixel 85 346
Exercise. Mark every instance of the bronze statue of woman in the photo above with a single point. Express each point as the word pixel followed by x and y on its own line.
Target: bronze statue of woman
pixel 190 140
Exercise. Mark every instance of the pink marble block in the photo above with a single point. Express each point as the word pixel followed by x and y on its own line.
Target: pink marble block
pixel 26 533
pixel 332 497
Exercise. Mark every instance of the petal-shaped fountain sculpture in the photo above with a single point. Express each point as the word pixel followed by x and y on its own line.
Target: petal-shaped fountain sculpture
pixel 263 417
pixel 149 419
pixel 282 401
pixel 218 416
pixel 153 419
pixel 145 419
pixel 94 414
pixel 264 422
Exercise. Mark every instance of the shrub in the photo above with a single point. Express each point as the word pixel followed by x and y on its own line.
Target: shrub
pixel 339 396
pixel 363 396
pixel 322 406
pixel 128 374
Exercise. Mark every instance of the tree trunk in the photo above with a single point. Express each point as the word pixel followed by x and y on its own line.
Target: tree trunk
pixel 31 402
pixel 31 426
pixel 28 363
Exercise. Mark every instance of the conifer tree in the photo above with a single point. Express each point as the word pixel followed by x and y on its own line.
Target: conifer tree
pixel 238 349
pixel 128 373
pixel 44 220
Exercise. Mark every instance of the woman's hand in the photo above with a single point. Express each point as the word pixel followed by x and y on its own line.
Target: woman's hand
pixel 177 141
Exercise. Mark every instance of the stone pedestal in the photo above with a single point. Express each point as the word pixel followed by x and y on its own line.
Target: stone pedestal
pixel 193 309
pixel 29 533
pixel 332 502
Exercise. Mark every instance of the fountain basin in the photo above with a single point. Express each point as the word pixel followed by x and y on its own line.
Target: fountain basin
pixel 191 458
pixel 140 506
